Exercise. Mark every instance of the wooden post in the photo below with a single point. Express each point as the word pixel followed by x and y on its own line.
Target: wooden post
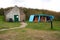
pixel 51 24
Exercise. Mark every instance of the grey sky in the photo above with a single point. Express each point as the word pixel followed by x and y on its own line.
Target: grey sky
pixel 39 4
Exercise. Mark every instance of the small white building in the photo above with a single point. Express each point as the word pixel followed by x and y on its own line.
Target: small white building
pixel 15 14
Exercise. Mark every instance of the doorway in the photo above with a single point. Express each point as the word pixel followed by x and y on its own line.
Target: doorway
pixel 36 18
pixel 16 18
pixel 43 18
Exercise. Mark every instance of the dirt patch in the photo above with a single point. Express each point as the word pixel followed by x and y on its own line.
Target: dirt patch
pixel 8 36
pixel 44 35
pixel 29 34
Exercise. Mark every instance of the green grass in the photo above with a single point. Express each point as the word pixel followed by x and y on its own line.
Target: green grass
pixel 32 25
pixel 44 25
pixel 6 25
pixel 29 33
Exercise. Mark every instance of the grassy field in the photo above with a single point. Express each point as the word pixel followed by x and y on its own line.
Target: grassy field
pixel 33 31
pixel 44 25
pixel 38 26
pixel 7 25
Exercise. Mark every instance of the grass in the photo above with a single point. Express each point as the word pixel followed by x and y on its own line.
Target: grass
pixel 28 33
pixel 44 25
pixel 32 25
pixel 7 25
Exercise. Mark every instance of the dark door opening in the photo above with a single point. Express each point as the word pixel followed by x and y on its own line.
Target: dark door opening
pixel 48 18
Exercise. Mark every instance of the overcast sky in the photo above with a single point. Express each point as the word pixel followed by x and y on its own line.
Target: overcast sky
pixel 39 4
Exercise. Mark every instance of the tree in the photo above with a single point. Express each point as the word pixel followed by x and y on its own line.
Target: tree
pixel 1 11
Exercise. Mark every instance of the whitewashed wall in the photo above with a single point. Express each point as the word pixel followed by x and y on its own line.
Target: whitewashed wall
pixel 14 11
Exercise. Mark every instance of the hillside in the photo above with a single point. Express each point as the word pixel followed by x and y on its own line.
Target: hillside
pixel 29 11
